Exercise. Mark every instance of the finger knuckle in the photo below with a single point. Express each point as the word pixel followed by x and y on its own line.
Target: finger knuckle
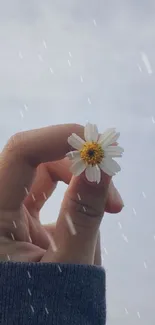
pixel 85 209
pixel 16 143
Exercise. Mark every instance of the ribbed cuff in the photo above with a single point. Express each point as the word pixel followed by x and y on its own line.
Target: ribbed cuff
pixel 51 294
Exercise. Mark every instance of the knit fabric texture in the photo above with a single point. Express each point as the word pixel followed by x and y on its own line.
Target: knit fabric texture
pixel 51 294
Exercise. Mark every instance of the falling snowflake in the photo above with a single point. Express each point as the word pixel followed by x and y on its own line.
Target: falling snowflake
pixel 33 197
pixel 126 311
pixel 29 292
pixel 51 70
pixel 119 224
pixel 32 308
pixel 145 265
pixel 94 22
pixel 79 197
pixel 81 78
pixel 70 224
pixel 44 44
pixel 29 275
pixel 14 224
pixel 44 195
pixel 89 101
pixel 26 107
pixel 69 63
pixel 144 195
pixel 105 250
pixel 153 120
pixel 146 62
pixel 59 268
pixel 40 58
pixel 47 312
pixel 20 55
pixel 21 114
pixel 139 68
pixel 125 238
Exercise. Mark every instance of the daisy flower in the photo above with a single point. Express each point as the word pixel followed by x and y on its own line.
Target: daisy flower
pixel 94 154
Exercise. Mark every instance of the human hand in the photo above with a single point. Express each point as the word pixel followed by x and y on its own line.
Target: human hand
pixel 22 237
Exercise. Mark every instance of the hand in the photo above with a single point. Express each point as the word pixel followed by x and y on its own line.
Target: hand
pixel 25 167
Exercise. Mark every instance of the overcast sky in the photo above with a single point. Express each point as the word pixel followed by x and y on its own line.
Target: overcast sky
pixel 72 61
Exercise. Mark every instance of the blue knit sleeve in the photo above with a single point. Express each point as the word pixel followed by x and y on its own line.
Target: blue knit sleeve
pixel 51 294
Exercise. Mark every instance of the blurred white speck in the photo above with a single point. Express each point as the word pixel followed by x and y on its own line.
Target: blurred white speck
pixel 21 114
pixel 105 250
pixel 30 239
pixel 126 311
pixel 14 224
pixel 84 209
pixel 119 224
pixel 32 308
pixel 70 225
pixel 94 22
pixel 70 54
pixel 52 242
pixel 8 257
pixel 69 63
pixel 51 70
pixel 20 55
pixel 146 62
pixel 29 292
pixel 153 120
pixel 47 312
pixel 40 58
pixel 33 197
pixel 144 195
pixel 125 238
pixel 134 211
pixel 44 44
pixel 79 197
pixel 59 268
pixel 81 78
pixel 145 265
pixel 102 257
pixel 154 237
pixel 139 68
pixel 89 101
pixel 26 107
pixel 29 275
pixel 138 314
pixel 44 195
pixel 12 235
pixel 26 190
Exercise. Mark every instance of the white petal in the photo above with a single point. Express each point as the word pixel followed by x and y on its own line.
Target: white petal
pixel 75 141
pixel 73 155
pixel 91 132
pixel 110 166
pixel 108 138
pixel 98 174
pixel 78 167
pixel 113 151
pixel 93 174
pixel 106 170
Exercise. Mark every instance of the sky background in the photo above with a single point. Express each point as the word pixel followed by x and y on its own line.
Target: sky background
pixel 75 61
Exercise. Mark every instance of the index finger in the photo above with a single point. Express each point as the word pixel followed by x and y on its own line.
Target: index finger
pixel 23 153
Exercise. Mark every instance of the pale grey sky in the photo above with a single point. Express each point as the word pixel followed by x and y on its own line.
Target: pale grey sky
pixel 73 61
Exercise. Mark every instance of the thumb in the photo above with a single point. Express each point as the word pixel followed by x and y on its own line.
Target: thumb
pixel 79 220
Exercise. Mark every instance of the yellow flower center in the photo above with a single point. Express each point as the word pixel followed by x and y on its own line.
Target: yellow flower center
pixel 92 153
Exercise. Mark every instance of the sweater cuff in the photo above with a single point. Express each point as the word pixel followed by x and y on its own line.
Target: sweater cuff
pixel 51 294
